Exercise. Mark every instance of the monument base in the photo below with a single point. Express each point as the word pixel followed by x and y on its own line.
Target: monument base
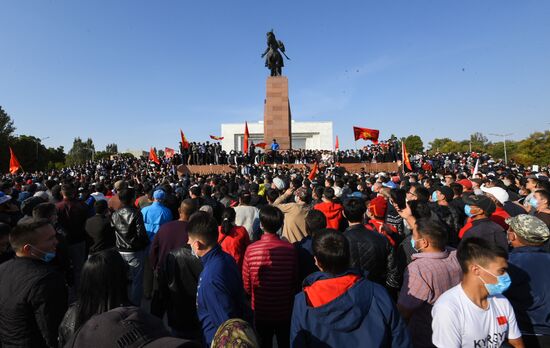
pixel 277 118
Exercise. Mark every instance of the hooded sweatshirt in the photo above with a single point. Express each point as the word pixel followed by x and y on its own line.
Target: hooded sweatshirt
pixel 345 310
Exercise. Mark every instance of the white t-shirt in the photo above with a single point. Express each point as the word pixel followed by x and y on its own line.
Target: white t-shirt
pixel 458 322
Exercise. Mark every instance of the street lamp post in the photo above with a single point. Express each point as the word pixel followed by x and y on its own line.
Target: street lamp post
pixel 504 140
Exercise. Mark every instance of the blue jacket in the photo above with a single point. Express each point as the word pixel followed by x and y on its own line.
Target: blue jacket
pixel 154 216
pixel 528 268
pixel 362 316
pixel 220 293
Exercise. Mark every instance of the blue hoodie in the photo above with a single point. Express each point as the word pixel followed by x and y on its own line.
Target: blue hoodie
pixel 361 314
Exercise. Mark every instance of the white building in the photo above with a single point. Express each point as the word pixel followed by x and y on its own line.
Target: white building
pixel 305 135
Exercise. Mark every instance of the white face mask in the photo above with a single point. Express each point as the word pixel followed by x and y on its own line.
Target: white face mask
pixel 296 199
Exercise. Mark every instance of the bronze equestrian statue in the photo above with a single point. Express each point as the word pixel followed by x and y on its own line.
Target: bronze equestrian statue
pixel 273 59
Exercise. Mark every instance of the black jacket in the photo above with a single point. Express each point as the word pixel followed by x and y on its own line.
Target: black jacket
pixel 178 281
pixel 129 229
pixel 450 217
pixel 100 232
pixel 488 230
pixel 372 252
pixel 33 300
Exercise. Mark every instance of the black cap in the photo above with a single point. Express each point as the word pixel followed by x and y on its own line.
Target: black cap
pixel 481 201
pixel 447 192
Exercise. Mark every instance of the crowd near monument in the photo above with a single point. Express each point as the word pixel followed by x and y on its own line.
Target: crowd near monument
pixel 269 243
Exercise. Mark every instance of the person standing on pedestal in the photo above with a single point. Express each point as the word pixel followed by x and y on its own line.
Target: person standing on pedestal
pixel 274 149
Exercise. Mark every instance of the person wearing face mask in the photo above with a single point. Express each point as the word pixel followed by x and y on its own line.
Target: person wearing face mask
pixel 434 269
pixel 220 292
pixel 541 203
pixel 33 295
pixel 479 209
pixel 528 267
pixel 474 313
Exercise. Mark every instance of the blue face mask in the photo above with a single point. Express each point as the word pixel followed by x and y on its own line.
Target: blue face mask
pixel 468 210
pixel 503 283
pixel 434 196
pixel 534 203
pixel 46 257
pixel 413 244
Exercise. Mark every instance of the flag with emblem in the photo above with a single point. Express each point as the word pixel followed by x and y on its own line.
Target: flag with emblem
pixel 184 142
pixel 366 134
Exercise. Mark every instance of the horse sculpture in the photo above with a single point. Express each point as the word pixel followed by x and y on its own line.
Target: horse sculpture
pixel 273 58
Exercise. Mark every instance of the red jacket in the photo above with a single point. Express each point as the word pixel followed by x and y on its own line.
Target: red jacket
pixel 234 243
pixel 270 276
pixel 499 217
pixel 333 213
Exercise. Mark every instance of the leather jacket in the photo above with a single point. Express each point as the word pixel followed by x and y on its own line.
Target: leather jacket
pixel 372 252
pixel 129 229
pixel 178 281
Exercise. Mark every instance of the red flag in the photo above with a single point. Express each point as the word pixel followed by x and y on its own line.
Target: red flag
pixel 262 145
pixel 245 141
pixel 184 142
pixel 14 163
pixel 337 146
pixel 215 137
pixel 313 172
pixel 366 133
pixel 405 154
pixel 168 152
pixel 153 156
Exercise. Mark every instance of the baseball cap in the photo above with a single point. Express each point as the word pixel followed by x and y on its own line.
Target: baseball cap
pixel 467 184
pixel 499 193
pixel 279 183
pixel 159 194
pixel 529 227
pixel 480 201
pixel 126 327
pixel 447 192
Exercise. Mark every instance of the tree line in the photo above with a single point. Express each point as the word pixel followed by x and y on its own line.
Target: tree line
pixel 34 156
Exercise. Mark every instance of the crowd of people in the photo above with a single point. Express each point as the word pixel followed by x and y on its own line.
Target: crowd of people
pixel 130 253
pixel 199 153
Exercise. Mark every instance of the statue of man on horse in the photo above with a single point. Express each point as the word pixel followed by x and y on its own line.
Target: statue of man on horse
pixel 273 59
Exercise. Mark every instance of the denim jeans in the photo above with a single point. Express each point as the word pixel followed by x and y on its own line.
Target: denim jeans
pixel 135 260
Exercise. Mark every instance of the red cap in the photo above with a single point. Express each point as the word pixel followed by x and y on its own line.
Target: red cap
pixel 467 184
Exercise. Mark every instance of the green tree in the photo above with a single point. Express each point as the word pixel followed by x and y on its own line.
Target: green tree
pixel 479 142
pixel 535 149
pixel 6 130
pixel 30 152
pixel 111 148
pixel 81 152
pixel 414 144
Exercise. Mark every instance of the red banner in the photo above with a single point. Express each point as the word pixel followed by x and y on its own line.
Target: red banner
pixel 337 146
pixel 215 137
pixel 168 152
pixel 14 163
pixel 406 160
pixel 366 134
pixel 261 145
pixel 184 142
pixel 153 156
pixel 245 141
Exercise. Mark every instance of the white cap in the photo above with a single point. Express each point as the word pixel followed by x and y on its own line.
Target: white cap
pixel 499 193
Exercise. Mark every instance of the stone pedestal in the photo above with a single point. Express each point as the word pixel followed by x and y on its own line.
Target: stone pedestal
pixel 277 123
